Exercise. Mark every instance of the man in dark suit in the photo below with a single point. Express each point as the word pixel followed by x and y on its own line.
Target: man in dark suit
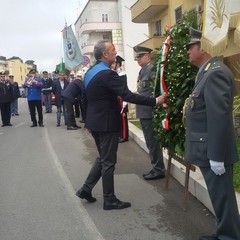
pixel 103 119
pixel 145 113
pixel 58 87
pixel 74 90
pixel 210 138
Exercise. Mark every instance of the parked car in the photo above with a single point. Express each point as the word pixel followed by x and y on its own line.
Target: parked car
pixel 22 92
pixel 53 99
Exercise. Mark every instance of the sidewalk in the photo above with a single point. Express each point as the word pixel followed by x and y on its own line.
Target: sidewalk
pixel 197 186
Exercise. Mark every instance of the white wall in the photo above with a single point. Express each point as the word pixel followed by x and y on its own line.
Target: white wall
pixel 133 34
pixel 94 10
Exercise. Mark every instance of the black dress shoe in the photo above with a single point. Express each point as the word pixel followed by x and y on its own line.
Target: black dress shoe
pixel 212 237
pixel 153 175
pixel 115 204
pixel 8 124
pixel 34 125
pixel 3 125
pixel 72 128
pixel 121 140
pixel 86 195
pixel 145 174
pixel 41 125
pixel 77 126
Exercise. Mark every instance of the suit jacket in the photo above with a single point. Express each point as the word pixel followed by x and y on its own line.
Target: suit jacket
pixel 209 121
pixel 73 90
pixel 144 89
pixel 58 91
pixel 103 86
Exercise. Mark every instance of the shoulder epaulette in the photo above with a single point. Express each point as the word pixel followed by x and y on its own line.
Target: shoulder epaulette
pixel 207 67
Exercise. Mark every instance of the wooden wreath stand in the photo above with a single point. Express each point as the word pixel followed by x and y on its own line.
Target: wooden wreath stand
pixel 186 183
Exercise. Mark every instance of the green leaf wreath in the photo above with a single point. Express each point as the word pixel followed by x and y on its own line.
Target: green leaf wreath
pixel 179 77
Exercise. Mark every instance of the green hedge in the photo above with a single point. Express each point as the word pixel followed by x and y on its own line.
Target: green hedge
pixel 236 171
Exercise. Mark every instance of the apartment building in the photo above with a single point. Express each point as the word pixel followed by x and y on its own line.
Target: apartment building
pixel 161 14
pixel 16 67
pixel 111 20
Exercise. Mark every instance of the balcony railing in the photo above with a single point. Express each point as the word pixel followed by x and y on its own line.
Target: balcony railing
pixel 87 28
pixel 154 42
pixel 143 10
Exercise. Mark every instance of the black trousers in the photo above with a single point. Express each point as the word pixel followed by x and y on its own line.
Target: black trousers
pixel 104 165
pixel 223 198
pixel 36 104
pixel 71 122
pixel 83 110
pixel 5 112
pixel 77 109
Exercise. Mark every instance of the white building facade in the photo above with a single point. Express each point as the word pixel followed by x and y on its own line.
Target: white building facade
pixel 111 20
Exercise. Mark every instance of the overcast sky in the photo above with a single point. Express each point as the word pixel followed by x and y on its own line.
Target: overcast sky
pixel 31 29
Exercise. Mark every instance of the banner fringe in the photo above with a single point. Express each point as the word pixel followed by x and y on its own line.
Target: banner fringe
pixel 214 49
pixel 234 18
pixel 237 37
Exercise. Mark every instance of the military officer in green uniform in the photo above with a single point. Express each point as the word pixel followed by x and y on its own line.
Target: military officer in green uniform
pixel 210 137
pixel 145 113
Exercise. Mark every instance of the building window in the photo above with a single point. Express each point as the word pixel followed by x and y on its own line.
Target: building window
pixel 107 37
pixel 158 31
pixel 104 17
pixel 178 14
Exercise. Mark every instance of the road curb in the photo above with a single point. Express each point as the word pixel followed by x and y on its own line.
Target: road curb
pixel 197 186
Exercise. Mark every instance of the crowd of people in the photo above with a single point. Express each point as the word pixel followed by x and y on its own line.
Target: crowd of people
pixel 40 91
pixel 210 139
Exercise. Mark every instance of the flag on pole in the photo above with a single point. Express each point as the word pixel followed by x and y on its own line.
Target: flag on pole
pixel 219 16
pixel 61 66
pixel 72 55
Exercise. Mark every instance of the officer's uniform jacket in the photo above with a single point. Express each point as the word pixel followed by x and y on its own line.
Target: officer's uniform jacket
pixel 6 91
pixel 47 85
pixel 33 89
pixel 144 81
pixel 209 122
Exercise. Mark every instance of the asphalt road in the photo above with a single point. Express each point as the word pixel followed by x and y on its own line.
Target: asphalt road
pixel 41 168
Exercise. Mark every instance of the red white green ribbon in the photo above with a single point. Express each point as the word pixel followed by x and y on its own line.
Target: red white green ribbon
pixel 163 87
